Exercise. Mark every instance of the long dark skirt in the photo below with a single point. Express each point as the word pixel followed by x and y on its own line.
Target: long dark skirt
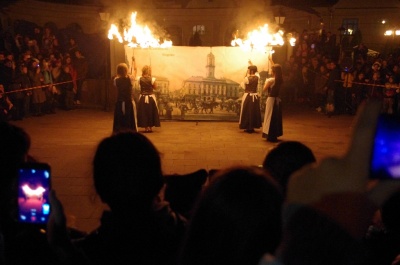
pixel 272 127
pixel 147 112
pixel 125 116
pixel 250 114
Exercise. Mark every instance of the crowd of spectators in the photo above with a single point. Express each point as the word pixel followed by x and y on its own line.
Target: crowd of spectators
pixel 335 78
pixel 39 75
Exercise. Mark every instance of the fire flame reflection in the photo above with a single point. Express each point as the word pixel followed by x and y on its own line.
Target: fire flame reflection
pixel 137 35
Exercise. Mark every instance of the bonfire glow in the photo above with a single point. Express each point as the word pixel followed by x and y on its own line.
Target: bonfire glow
pixel 259 39
pixel 137 35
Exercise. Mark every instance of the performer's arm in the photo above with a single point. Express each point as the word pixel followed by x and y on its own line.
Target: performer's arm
pixel 270 59
pixel 267 84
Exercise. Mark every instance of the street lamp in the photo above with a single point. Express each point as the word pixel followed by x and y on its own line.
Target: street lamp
pixel 280 18
pixel 341 30
pixel 104 16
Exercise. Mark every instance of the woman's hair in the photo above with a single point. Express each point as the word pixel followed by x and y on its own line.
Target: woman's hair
pixel 236 220
pixel 277 69
pixel 122 70
pixel 145 70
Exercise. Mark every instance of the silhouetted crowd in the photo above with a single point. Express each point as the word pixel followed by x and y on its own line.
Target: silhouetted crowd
pixel 292 210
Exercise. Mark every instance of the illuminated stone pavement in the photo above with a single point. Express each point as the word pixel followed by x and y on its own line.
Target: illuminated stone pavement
pixel 67 141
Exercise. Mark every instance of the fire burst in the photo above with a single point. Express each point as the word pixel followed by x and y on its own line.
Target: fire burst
pixel 259 39
pixel 137 36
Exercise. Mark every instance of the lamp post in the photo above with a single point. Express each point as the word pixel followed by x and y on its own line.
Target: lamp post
pixel 391 43
pixel 280 20
pixel 341 30
pixel 105 17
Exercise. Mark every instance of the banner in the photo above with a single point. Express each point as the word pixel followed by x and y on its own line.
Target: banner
pixel 199 83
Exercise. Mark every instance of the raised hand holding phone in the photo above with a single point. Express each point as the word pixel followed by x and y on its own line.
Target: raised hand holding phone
pixel 34 184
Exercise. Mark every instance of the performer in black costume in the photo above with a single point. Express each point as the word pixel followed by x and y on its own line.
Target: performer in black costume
pixel 125 107
pixel 250 113
pixel 147 105
pixel 272 126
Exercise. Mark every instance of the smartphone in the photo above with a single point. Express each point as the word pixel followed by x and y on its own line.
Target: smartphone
pixel 34 184
pixel 385 159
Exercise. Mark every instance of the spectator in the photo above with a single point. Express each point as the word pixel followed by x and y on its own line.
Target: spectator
pixel 320 90
pixel 22 96
pixel 335 99
pixel 72 47
pixel 5 105
pixel 235 221
pixel 81 67
pixel 66 88
pixel 286 158
pixel 38 95
pixel 9 71
pixel 139 228
pixel 383 239
pixel 20 244
pixel 47 41
pixel 49 107
pixel 328 206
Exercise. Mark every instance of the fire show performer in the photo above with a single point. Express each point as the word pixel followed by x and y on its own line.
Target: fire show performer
pixel 250 113
pixel 272 126
pixel 147 105
pixel 125 107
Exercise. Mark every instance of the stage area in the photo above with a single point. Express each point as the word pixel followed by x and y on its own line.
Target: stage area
pixel 67 141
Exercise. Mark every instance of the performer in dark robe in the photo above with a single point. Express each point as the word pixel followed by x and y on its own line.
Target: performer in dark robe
pixel 125 107
pixel 250 113
pixel 272 126
pixel 147 105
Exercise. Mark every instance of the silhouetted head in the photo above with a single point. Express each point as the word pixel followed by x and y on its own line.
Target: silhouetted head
pixel 252 69
pixel 127 171
pixel 236 220
pixel 286 158
pixel 15 144
pixel 122 69
pixel 391 214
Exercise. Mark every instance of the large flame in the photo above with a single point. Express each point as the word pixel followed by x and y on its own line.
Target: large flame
pixel 259 39
pixel 137 35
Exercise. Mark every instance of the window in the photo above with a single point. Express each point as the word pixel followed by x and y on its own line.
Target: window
pixel 351 25
pixel 199 29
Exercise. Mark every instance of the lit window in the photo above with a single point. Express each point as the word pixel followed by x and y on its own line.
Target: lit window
pixel 199 29
pixel 351 25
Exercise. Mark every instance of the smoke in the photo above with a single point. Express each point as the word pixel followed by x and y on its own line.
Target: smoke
pixel 252 15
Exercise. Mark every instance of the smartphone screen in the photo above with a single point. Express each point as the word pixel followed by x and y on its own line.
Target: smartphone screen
pixel 33 193
pixel 385 161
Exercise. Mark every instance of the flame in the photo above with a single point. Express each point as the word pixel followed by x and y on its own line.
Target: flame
pixel 137 35
pixel 292 41
pixel 29 192
pixel 260 38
